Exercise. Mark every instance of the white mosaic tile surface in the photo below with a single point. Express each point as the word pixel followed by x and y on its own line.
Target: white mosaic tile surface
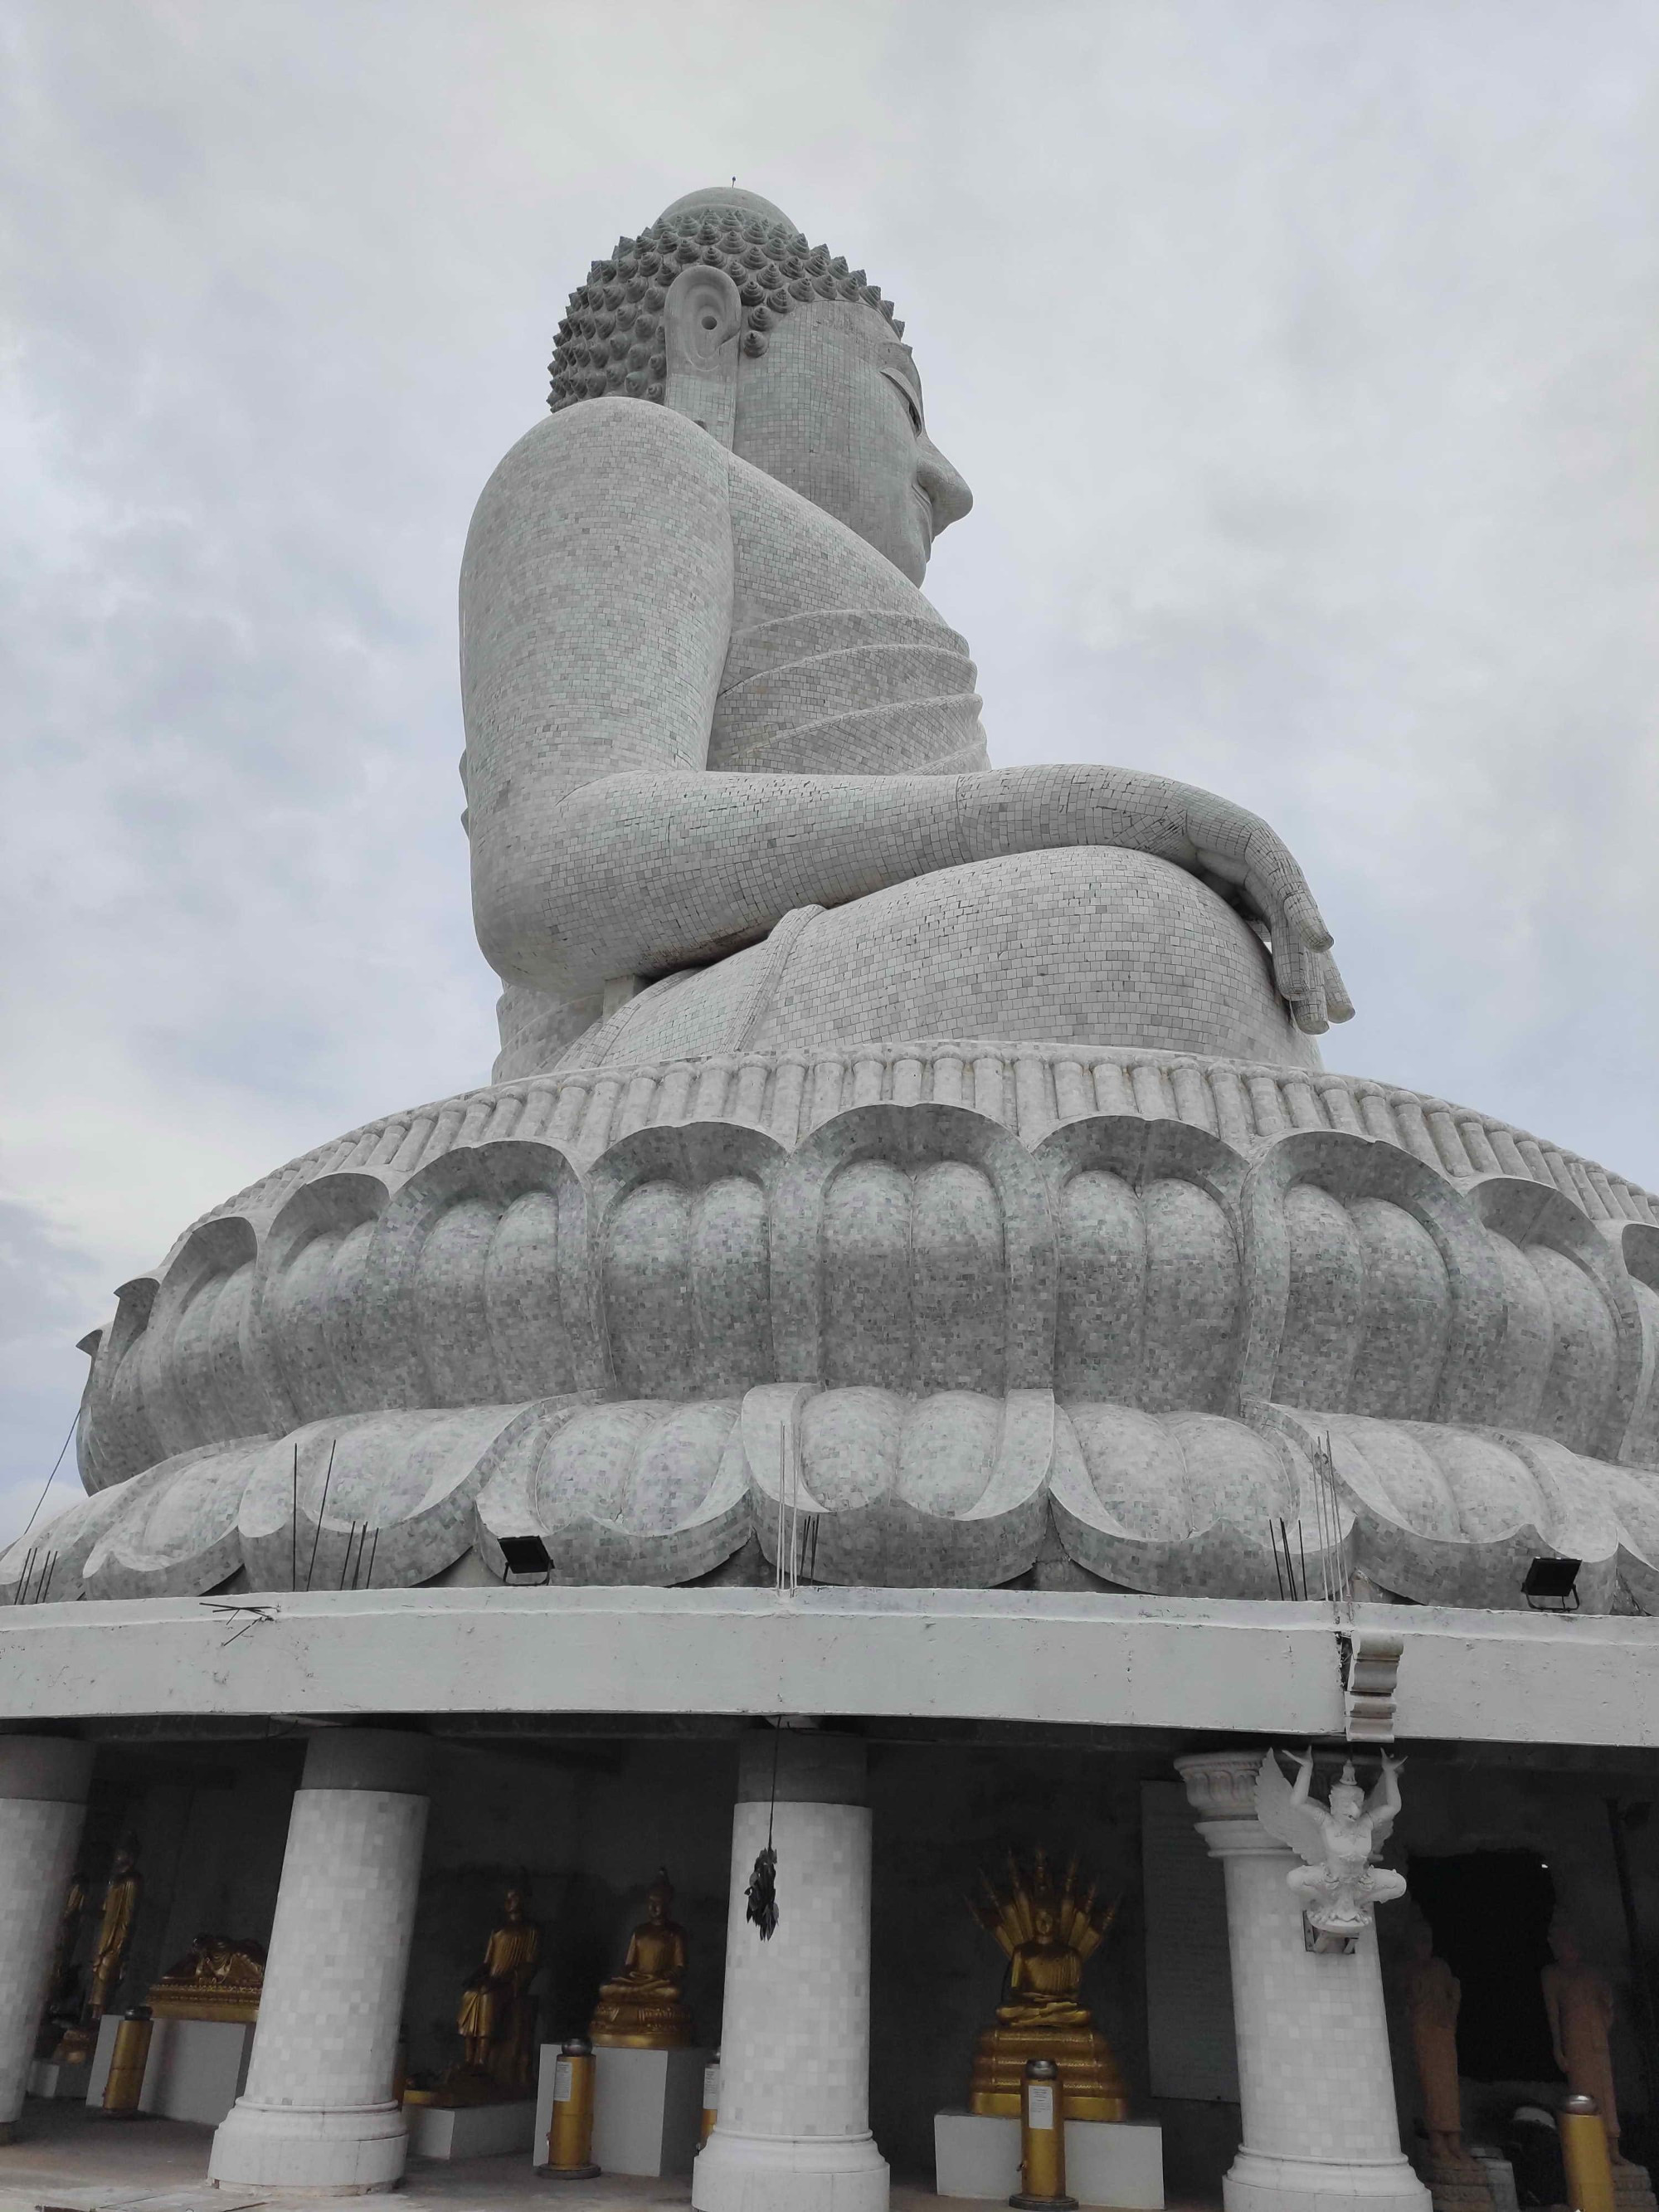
pixel 339 1949
pixel 795 2041
pixel 317 2109
pixel 37 1855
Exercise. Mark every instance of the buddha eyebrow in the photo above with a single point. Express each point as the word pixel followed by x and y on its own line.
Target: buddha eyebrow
pixel 899 361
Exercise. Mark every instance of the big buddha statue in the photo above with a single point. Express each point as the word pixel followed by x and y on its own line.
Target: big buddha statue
pixel 709 710
pixel 897 1168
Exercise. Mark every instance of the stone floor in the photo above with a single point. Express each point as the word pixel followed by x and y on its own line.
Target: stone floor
pixel 70 2160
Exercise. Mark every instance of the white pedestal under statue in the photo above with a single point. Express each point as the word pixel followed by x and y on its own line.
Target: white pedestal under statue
pixel 52 2077
pixel 196 2068
pixel 1115 2162
pixel 647 2108
pixel 472 2130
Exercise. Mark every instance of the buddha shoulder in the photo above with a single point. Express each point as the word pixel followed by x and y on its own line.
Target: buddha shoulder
pixel 640 465
pixel 629 473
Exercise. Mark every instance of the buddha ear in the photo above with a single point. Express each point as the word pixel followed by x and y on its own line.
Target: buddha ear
pixel 702 323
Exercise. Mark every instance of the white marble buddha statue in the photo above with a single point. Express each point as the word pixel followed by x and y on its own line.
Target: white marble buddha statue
pixel 728 787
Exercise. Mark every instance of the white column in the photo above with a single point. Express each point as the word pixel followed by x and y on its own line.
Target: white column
pixel 43 1802
pixel 317 2111
pixel 1315 2082
pixel 794 2131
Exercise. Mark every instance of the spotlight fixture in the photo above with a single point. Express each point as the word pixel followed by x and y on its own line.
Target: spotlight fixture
pixel 525 1555
pixel 1551 1585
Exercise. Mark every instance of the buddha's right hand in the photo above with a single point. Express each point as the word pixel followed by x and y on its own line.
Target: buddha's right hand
pixel 1075 803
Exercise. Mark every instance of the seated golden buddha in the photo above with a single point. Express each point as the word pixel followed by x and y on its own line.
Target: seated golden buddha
pixel 1049 1937
pixel 640 2008
pixel 495 2020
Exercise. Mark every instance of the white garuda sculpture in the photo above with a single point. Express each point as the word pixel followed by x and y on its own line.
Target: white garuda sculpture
pixel 1337 1885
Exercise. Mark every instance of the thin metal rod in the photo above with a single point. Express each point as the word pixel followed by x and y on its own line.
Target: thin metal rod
pixel 316 1537
pixel 794 1515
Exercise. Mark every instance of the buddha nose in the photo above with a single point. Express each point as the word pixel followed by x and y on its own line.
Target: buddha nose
pixel 947 492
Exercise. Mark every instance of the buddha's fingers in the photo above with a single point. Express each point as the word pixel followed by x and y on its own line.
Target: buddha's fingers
pixel 1298 974
pixel 1280 889
pixel 1338 1004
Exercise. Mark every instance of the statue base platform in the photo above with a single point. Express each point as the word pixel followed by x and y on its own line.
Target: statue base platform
pixel 1088 2072
pixel 488 2130
pixel 76 2045
pixel 647 2108
pixel 643 2027
pixel 58 2077
pixel 1115 2162
pixel 464 2091
pixel 195 2071
pixel 1461 2186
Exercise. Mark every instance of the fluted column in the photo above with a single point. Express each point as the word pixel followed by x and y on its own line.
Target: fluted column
pixel 318 2111
pixel 1314 2083
pixel 794 2131
pixel 43 1802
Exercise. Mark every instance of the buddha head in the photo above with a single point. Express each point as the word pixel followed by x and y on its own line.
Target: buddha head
pixel 721 310
pixel 513 1905
pixel 1347 1797
pixel 1045 1921
pixel 659 1898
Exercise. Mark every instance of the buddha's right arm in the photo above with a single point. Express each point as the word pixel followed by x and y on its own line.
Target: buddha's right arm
pixel 646 872
pixel 596 612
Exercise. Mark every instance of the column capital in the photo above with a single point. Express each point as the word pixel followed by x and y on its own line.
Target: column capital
pixel 1221 1785
pixel 1221 1789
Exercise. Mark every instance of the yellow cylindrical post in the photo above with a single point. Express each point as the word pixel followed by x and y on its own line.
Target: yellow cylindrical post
pixel 1042 2140
pixel 126 2065
pixel 570 2138
pixel 711 2098
pixel 1584 2155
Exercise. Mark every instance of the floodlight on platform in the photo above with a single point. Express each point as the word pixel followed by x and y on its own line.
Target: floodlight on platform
pixel 525 1555
pixel 1551 1585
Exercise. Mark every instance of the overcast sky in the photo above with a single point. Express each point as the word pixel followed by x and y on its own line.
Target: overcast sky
pixel 1301 353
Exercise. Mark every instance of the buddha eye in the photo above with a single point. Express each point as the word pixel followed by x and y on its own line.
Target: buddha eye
pixel 910 406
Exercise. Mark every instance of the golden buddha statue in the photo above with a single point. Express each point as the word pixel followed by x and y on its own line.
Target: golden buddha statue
pixel 109 1955
pixel 496 2020
pixel 1049 1937
pixel 641 2008
pixel 217 1978
pixel 63 2006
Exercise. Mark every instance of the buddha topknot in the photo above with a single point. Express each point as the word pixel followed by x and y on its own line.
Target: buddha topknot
pixel 611 337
